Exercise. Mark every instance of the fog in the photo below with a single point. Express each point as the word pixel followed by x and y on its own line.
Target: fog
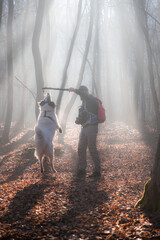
pixel 116 67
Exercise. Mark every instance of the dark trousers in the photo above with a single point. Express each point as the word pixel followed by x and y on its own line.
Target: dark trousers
pixel 88 138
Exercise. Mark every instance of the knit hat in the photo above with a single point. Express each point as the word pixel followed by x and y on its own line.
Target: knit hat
pixel 83 88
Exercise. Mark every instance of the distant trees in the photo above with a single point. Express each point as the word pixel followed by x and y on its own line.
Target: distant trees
pixel 150 200
pixel 8 118
pixel 69 55
pixel 118 64
pixel 118 40
pixel 150 70
pixel 83 64
pixel 142 19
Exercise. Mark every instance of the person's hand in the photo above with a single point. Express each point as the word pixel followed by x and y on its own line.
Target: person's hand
pixel 71 89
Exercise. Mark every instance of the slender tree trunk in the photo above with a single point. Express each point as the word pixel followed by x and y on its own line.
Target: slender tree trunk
pixel 24 43
pixel 97 60
pixel 143 102
pixel 20 122
pixel 36 52
pixel 8 119
pixel 64 77
pixel 142 18
pixel 48 42
pixel 94 72
pixel 139 84
pixel 157 68
pixel 1 90
pixel 152 85
pixel 74 96
pixel 1 10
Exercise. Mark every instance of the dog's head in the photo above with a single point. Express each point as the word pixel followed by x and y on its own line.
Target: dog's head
pixel 47 101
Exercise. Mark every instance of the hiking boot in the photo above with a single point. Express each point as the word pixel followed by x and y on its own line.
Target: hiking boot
pixel 81 174
pixel 95 175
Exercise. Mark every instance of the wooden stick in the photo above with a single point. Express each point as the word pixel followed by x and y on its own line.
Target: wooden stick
pixel 61 89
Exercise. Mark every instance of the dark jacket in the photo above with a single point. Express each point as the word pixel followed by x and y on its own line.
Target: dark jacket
pixel 90 104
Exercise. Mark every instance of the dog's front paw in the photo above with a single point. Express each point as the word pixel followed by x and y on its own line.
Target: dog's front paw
pixel 60 130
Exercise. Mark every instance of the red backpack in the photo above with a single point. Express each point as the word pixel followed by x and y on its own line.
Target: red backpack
pixel 101 112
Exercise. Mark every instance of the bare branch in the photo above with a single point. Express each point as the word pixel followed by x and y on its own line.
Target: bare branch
pixel 152 17
pixel 26 88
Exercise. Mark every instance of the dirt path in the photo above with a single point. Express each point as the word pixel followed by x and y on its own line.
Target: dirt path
pixel 33 206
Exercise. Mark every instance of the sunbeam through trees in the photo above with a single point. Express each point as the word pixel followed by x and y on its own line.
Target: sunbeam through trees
pixel 113 48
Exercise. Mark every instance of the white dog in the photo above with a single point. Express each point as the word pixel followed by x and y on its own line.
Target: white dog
pixel 45 131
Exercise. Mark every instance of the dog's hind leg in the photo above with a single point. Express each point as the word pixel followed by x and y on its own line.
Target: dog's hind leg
pixel 52 164
pixel 41 164
pixel 39 157
pixel 50 155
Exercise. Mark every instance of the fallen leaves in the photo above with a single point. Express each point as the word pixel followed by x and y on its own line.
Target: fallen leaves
pixel 36 206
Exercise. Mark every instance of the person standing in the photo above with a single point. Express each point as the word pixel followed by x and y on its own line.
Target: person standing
pixel 88 119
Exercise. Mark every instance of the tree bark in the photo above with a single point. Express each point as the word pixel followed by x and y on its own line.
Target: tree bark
pixel 8 118
pixel 1 10
pixel 150 200
pixel 36 53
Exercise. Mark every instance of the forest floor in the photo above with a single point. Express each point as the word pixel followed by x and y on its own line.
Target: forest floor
pixel 36 206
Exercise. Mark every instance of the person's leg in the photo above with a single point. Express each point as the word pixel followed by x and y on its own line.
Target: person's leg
pixel 92 132
pixel 82 146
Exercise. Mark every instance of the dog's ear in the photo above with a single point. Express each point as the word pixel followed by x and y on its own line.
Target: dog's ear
pixel 52 104
pixel 47 98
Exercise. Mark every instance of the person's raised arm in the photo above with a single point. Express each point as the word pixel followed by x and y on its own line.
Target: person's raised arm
pixel 71 89
pixel 80 92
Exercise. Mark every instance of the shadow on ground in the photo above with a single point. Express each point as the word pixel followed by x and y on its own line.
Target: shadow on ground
pixel 84 198
pixel 23 201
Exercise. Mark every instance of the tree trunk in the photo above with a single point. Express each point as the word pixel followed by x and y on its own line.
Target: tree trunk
pixel 152 85
pixel 142 18
pixel 96 84
pixel 1 10
pixel 48 43
pixel 157 68
pixel 138 87
pixel 74 96
pixel 36 53
pixel 20 122
pixel 150 200
pixel 8 118
pixel 64 77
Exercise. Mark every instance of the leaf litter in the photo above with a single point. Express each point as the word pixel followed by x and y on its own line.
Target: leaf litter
pixel 58 206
